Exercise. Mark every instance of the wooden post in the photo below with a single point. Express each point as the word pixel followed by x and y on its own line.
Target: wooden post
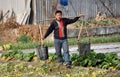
pixel 34 9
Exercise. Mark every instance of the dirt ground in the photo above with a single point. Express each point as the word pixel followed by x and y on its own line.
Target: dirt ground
pixel 10 31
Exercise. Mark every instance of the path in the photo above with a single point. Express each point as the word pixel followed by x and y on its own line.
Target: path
pixel 98 48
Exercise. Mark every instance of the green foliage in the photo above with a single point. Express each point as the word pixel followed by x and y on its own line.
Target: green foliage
pixel 93 22
pixel 102 60
pixel 107 22
pixel 5 55
pixel 48 43
pixel 24 39
pixel 103 22
pixel 28 56
pixel 100 57
pixel 72 41
pixel 96 39
pixel 52 57
pixel 102 39
pixel 118 66
pixel 76 59
pixel 19 55
pixel 85 23
pixel 29 45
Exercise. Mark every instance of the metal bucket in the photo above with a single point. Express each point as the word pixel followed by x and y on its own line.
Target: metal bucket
pixel 84 48
pixel 42 52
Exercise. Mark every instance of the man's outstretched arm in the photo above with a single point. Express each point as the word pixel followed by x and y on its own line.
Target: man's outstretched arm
pixel 70 21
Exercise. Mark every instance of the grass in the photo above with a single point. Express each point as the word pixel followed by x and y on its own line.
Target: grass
pixel 28 45
pixel 103 39
pixel 71 41
pixel 97 39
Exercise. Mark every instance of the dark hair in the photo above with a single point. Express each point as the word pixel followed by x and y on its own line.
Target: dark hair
pixel 58 11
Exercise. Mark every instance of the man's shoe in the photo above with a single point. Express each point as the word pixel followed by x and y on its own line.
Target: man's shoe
pixel 68 65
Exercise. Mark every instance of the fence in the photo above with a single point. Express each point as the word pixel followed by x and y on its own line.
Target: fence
pixel 45 8
pixel 38 11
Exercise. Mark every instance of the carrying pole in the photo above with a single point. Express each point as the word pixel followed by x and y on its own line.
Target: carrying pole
pixel 80 29
pixel 41 36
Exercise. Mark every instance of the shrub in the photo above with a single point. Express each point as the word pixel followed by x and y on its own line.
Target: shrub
pixel 24 39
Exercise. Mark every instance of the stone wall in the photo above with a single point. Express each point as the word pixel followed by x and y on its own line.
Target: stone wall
pixel 106 30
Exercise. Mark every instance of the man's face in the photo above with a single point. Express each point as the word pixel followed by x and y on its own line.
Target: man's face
pixel 58 16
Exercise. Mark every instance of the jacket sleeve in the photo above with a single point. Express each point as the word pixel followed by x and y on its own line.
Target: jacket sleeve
pixel 49 30
pixel 70 21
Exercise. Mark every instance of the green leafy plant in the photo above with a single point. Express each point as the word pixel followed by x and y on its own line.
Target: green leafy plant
pixel 28 56
pixel 102 60
pixel 19 55
pixel 24 39
pixel 52 57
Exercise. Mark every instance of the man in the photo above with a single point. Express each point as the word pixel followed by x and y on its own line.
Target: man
pixel 59 26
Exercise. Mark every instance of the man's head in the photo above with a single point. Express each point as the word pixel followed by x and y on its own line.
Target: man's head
pixel 58 14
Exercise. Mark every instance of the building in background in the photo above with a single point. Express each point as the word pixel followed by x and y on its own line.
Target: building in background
pixel 42 11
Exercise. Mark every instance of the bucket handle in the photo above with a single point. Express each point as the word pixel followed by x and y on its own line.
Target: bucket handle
pixel 80 30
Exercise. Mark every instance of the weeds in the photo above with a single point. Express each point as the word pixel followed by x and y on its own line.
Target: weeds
pixel 24 39
pixel 94 23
